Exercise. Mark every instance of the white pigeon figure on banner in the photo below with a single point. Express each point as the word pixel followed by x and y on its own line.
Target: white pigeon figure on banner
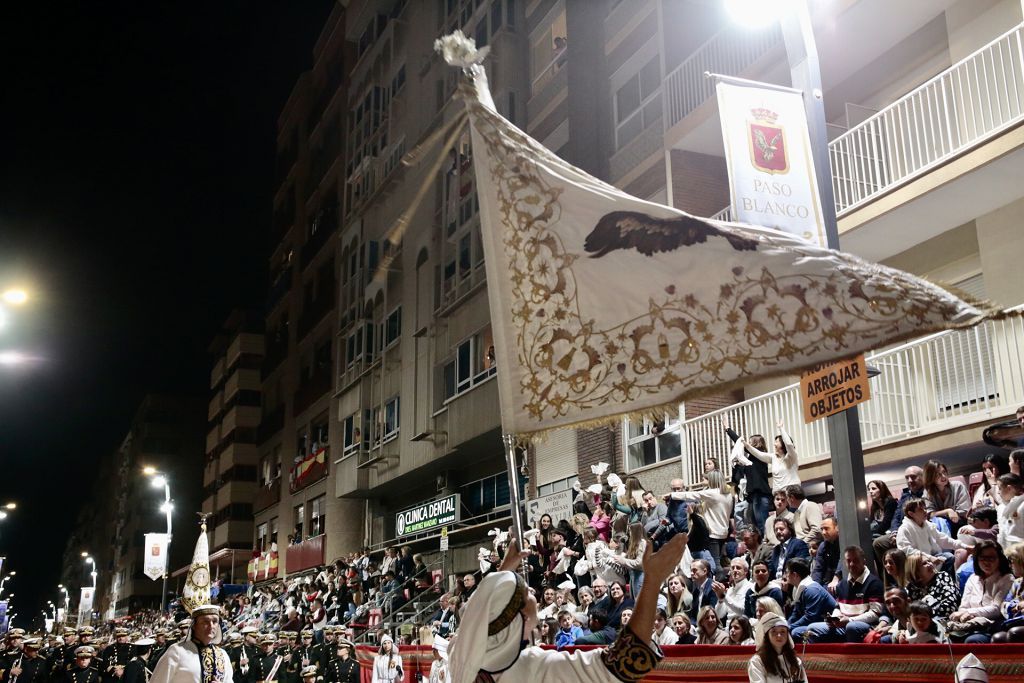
pixel 604 305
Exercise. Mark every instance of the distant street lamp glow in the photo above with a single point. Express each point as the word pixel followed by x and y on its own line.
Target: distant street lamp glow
pixel 15 296
pixel 11 506
pixel 3 515
pixel 756 13
pixel 149 470
pixel 85 553
pixel 166 507
pixel 12 358
pixel 159 481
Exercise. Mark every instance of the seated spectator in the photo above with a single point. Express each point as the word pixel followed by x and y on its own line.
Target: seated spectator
pixel 1011 516
pixel 895 565
pixel 601 598
pixel 740 631
pixel 732 600
pixel 547 630
pixel 806 516
pixel 883 507
pixel 917 536
pixel 709 629
pixel 993 466
pixel 981 525
pixel 896 617
pixel 859 596
pixel 663 635
pixel 678 596
pixel 446 619
pixel 775 660
pixel 979 612
pixel 923 627
pixel 586 601
pixel 703 593
pixel 1012 630
pixel 756 550
pixel 626 615
pixel 947 501
pixel 546 607
pixel 684 629
pixel 600 632
pixel 619 602
pixel 811 602
pixel 1017 462
pixel 914 477
pixel 762 587
pixel 788 548
pixel 825 569
pixel 781 511
pixel 768 605
pixel 936 588
pixel 568 631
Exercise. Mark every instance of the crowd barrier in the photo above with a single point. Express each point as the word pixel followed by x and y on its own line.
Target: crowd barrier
pixel 824 663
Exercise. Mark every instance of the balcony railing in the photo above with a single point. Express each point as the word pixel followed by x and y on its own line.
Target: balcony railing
pixel 943 381
pixel 971 101
pixel 267 495
pixel 309 553
pixel 309 470
pixel 730 52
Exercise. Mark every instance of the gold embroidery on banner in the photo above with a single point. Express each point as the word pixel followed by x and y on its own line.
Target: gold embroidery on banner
pixel 761 323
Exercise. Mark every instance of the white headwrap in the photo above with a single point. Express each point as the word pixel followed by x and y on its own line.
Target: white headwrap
pixel 441 645
pixel 971 670
pixel 496 606
pixel 765 624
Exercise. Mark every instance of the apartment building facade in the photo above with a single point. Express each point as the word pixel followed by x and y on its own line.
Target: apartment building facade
pixel 922 101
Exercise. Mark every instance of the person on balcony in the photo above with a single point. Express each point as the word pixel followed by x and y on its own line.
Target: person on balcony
pixel 758 486
pixel 784 464
pixel 718 503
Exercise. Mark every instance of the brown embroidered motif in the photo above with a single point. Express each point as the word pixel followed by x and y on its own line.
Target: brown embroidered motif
pixel 649 235
pixel 630 658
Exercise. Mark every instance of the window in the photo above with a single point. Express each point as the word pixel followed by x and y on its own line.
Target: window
pixel 317 515
pixel 261 537
pixel 352 429
pixel 270 466
pixel 301 446
pixel 392 327
pixel 547 54
pixel 638 103
pixel 487 494
pixel 651 442
pixel 299 517
pixel 474 363
pixel 385 422
pixel 273 532
pixel 319 433
pixel 556 486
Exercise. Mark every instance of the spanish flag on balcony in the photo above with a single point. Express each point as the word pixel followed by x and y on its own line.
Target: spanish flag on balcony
pixel 304 469
pixel 604 304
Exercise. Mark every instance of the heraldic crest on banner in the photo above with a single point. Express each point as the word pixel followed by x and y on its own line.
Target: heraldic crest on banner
pixel 767 142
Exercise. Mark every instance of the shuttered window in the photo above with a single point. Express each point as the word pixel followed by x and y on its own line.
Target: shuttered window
pixel 555 458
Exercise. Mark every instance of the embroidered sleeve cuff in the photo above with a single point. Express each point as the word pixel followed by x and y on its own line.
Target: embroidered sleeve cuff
pixel 630 658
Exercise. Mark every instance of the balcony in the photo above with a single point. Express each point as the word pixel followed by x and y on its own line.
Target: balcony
pixel 315 310
pixel 969 103
pixel 271 424
pixel 731 52
pixel 217 374
pixel 305 555
pixel 322 226
pixel 311 389
pixel 266 496
pixel 309 470
pixel 941 382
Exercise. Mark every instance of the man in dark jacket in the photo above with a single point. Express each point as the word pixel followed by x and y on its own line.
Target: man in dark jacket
pixel 601 633
pixel 811 602
pixel 787 549
pixel 825 569
pixel 859 599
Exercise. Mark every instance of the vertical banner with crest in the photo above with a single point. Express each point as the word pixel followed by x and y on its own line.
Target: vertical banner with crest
pixel 85 606
pixel 768 154
pixel 154 561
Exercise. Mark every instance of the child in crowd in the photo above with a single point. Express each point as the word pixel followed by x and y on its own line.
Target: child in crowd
pixel 1011 522
pixel 923 627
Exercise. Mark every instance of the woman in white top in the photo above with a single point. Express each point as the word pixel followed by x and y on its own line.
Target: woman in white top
pixel 775 660
pixel 387 665
pixel 785 464
pixel 718 504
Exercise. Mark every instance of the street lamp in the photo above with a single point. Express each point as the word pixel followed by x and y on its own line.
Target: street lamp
pixel 15 296
pixel 90 561
pixel 67 599
pixel 4 580
pixel 805 73
pixel 160 481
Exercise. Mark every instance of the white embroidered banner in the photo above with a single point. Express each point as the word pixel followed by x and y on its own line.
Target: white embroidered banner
pixel 85 605
pixel 154 560
pixel 603 304
pixel 768 153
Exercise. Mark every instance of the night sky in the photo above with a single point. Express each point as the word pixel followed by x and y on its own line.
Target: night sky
pixel 135 191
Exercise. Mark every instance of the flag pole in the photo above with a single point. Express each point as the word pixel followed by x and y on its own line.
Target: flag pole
pixel 515 504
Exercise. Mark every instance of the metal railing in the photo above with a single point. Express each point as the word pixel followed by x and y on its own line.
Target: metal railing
pixel 731 52
pixel 942 381
pixel 969 102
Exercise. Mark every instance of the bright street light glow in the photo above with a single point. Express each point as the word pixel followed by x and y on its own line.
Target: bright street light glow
pixel 159 481
pixel 757 13
pixel 3 515
pixel 15 296
pixel 166 507
pixel 12 358
pixel 11 506
pixel 149 470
